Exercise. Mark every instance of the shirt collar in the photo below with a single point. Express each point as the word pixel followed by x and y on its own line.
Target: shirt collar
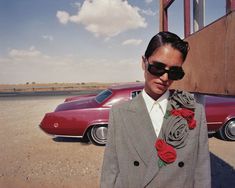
pixel 162 101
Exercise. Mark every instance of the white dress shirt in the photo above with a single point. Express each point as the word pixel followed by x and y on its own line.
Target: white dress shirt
pixel 156 109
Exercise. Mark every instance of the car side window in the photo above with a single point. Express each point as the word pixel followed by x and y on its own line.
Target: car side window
pixel 134 94
pixel 101 97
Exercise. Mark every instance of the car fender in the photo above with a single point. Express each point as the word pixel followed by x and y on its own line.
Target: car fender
pixel 228 118
pixel 93 123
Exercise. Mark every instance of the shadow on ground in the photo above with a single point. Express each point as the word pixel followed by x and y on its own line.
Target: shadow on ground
pixel 223 175
pixel 71 139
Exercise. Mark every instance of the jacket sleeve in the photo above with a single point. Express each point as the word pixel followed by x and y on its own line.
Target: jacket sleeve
pixel 110 167
pixel 202 177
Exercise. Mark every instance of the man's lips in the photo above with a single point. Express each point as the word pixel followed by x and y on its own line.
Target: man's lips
pixel 160 85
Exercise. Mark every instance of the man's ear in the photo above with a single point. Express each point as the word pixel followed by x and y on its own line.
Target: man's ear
pixel 143 63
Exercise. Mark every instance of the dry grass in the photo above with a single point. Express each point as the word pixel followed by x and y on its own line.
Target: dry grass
pixel 34 87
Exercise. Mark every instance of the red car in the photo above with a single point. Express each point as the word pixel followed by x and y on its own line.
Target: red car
pixel 220 115
pixel 87 117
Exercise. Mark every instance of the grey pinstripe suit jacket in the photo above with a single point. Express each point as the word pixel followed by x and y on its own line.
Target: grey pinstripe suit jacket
pixel 130 158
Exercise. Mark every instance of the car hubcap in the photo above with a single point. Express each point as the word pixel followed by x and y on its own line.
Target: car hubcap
pixel 100 134
pixel 230 130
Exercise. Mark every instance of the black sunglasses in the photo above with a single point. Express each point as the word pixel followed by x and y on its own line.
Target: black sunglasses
pixel 158 69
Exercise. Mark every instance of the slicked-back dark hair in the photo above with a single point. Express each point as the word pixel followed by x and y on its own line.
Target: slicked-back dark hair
pixel 167 38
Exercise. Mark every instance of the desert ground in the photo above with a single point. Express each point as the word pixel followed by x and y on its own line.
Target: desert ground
pixel 32 159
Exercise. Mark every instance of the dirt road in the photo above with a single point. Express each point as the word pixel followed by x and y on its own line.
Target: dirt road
pixel 30 158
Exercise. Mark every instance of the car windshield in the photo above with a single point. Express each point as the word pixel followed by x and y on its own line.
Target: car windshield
pixel 103 95
pixel 135 93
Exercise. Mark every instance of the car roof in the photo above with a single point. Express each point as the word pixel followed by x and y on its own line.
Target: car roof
pixel 220 99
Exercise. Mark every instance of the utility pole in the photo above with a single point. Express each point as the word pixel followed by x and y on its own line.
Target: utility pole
pixel 199 23
pixel 198 14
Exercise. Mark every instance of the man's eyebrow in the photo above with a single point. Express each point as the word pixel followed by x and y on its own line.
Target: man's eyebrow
pixel 154 62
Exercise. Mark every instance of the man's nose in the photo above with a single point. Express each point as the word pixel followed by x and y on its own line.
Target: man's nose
pixel 164 77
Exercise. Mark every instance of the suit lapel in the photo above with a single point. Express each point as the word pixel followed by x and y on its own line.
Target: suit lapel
pixel 139 128
pixel 143 137
pixel 153 168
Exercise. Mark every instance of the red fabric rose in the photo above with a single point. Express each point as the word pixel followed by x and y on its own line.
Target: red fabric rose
pixel 176 112
pixel 165 152
pixel 186 114
pixel 192 124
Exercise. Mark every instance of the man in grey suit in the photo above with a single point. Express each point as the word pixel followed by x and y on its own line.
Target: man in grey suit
pixel 158 139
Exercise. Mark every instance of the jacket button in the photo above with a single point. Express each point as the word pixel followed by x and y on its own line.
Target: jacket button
pixel 181 164
pixel 136 163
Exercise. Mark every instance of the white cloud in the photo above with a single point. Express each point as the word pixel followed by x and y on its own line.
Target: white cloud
pixel 48 37
pixel 123 70
pixel 21 54
pixel 148 1
pixel 21 66
pixel 134 42
pixel 105 18
pixel 76 5
pixel 34 57
pixel 63 16
pixel 149 12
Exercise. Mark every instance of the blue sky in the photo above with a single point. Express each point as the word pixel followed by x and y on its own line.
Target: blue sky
pixel 47 41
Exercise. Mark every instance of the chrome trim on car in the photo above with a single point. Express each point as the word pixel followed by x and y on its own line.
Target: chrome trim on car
pixel 211 132
pixel 67 136
pixel 216 122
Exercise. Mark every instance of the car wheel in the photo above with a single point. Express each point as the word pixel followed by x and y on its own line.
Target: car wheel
pixel 227 132
pixel 98 134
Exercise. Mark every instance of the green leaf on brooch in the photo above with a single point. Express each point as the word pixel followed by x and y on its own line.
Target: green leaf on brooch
pixel 168 113
pixel 161 163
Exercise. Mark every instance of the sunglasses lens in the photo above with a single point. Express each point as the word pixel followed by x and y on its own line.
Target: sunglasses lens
pixel 176 73
pixel 158 69
pixel 155 70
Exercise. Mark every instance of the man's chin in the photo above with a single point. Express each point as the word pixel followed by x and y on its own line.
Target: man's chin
pixel 158 92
